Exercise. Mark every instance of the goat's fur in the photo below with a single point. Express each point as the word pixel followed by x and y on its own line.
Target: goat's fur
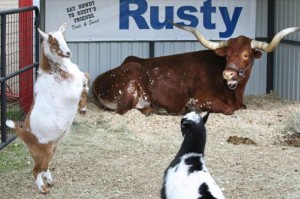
pixel 57 93
pixel 84 96
pixel 187 176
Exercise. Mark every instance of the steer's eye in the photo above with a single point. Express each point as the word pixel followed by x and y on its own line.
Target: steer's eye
pixel 245 56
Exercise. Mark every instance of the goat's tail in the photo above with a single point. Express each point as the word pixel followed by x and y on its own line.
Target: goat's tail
pixel 13 125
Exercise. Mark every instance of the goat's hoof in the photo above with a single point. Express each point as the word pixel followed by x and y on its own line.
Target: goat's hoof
pixel 82 112
pixel 50 184
pixel 44 189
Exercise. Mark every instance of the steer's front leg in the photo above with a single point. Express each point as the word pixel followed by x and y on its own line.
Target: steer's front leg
pixel 214 106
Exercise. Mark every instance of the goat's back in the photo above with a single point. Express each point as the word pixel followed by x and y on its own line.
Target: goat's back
pixel 190 179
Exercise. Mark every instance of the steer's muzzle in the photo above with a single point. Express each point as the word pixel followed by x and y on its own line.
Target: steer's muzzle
pixel 231 77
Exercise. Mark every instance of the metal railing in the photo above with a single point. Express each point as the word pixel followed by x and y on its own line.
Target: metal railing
pixel 19 58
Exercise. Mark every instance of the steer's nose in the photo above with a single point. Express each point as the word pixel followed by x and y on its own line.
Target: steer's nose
pixel 228 74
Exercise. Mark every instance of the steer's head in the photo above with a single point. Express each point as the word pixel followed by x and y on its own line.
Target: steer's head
pixel 239 60
pixel 240 53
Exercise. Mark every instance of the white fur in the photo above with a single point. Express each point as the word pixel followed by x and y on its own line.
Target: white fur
pixel 44 35
pixel 142 103
pixel 62 44
pixel 83 109
pixel 58 35
pixel 10 124
pixel 181 185
pixel 56 103
pixel 62 27
pixel 193 116
pixel 48 177
pixel 39 182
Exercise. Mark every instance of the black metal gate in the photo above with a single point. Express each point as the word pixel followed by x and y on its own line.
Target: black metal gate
pixel 19 58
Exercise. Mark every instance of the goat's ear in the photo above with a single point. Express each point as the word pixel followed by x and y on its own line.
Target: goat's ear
pixel 182 132
pixel 62 27
pixel 205 118
pixel 43 35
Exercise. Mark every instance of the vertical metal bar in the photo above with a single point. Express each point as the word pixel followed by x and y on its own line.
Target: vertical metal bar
pixel 270 56
pixel 3 74
pixel 37 41
pixel 151 49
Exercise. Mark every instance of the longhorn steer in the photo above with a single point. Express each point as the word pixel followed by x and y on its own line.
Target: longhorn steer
pixel 210 80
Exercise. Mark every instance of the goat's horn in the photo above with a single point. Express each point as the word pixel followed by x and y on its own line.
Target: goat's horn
pixel 269 47
pixel 206 43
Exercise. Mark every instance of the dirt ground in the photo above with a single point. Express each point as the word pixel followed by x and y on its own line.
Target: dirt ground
pixel 124 157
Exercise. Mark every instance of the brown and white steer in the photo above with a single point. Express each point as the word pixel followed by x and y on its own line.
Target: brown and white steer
pixel 57 92
pixel 209 80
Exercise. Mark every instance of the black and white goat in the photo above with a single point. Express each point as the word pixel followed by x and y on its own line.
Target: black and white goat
pixel 187 176
pixel 57 93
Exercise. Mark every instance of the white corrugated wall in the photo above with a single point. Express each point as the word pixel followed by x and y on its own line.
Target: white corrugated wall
pixel 98 57
pixel 287 56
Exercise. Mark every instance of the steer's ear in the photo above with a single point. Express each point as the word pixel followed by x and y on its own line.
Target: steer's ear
pixel 221 52
pixel 256 53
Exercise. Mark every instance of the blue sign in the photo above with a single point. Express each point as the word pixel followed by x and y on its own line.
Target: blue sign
pixel 187 15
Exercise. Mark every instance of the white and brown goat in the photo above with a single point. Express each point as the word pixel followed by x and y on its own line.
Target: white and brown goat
pixel 57 93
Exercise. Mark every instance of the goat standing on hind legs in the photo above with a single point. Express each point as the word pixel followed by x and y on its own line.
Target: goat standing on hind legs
pixel 57 93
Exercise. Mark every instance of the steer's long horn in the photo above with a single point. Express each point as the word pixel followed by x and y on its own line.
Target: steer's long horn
pixel 269 47
pixel 206 43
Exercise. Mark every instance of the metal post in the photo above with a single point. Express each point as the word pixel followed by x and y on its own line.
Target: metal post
pixel 151 49
pixel 270 56
pixel 3 82
pixel 37 41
